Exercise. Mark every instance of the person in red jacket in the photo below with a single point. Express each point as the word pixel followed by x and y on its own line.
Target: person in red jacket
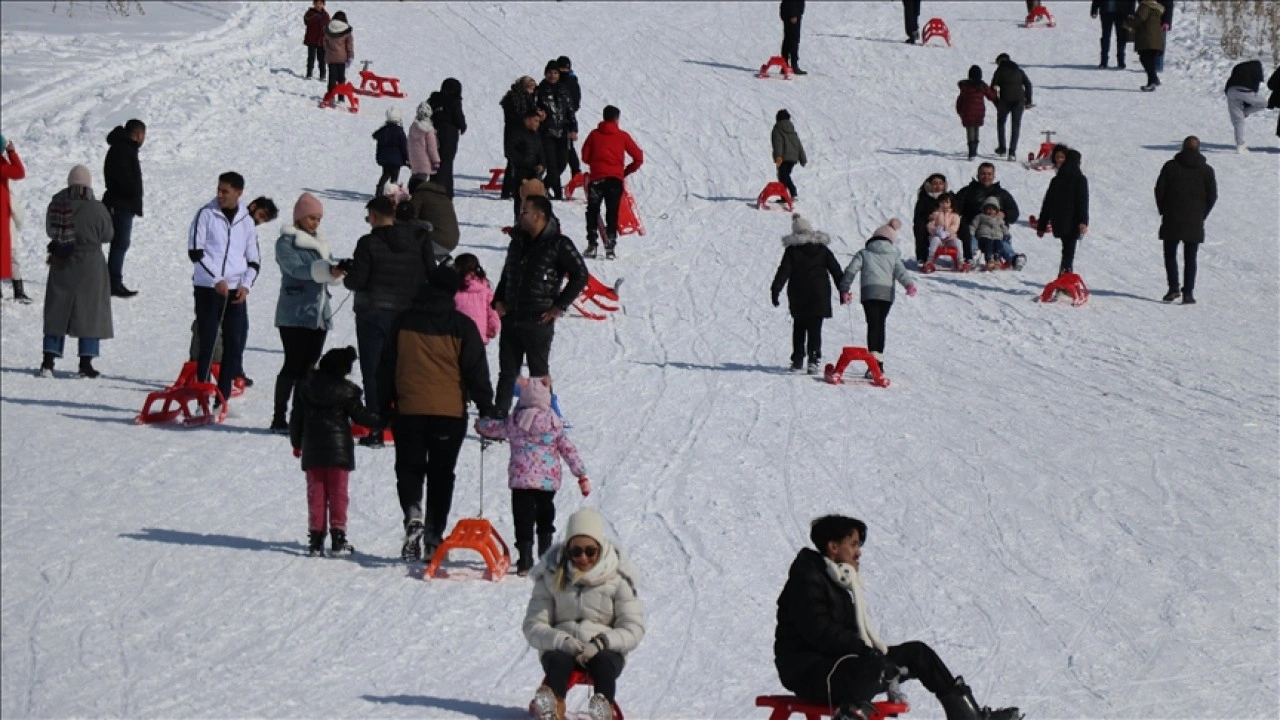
pixel 11 168
pixel 604 152
pixel 316 18
pixel 971 106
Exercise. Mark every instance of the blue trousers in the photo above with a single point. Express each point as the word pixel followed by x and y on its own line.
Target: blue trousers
pixel 88 347
pixel 122 226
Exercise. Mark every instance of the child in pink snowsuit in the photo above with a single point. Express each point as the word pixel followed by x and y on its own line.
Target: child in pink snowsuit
pixel 943 225
pixel 538 442
pixel 475 298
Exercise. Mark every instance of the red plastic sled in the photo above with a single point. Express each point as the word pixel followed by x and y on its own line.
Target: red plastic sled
pixel 593 293
pixel 772 190
pixel 580 677
pixel 935 28
pixel 495 180
pixel 1040 17
pixel 784 706
pixel 187 398
pixel 378 85
pixel 834 374
pixel 479 535
pixel 1069 284
pixel 778 62
pixel 344 90
pixel 947 252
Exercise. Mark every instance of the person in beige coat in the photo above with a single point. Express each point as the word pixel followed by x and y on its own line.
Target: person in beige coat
pixel 584 614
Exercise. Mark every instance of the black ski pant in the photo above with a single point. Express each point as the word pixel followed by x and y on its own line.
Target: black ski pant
pixel 858 679
pixel 806 329
pixel 876 312
pixel 389 172
pixel 608 190
pixel 373 330
pixel 1109 21
pixel 1068 254
pixel 427 446
pixel 315 56
pixel 530 508
pixel 216 312
pixel 784 177
pixel 791 42
pixel 337 75
pixel 1003 111
pixel 523 338
pixel 448 141
pixel 1148 58
pixel 911 17
pixel 302 348
pixel 556 151
pixel 1189 250
pixel 604 669
pixel 575 165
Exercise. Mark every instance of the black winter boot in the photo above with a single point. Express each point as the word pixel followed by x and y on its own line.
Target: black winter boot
pixel 279 421
pixel 524 563
pixel 46 366
pixel 339 544
pixel 315 543
pixel 544 543
pixel 960 705
pixel 19 294
pixel 973 149
pixel 86 368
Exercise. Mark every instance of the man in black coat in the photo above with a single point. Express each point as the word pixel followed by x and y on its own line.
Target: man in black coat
pixel 1013 90
pixel 1113 13
pixel 1185 194
pixel 529 297
pixel 970 199
pixel 525 156
pixel 123 197
pixel 569 79
pixel 385 271
pixel 558 128
pixel 824 648
pixel 450 124
pixel 791 12
pixel 1066 208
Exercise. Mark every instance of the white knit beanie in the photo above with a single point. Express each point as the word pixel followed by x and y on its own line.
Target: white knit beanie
pixel 800 225
pixel 587 522
pixel 79 176
pixel 393 115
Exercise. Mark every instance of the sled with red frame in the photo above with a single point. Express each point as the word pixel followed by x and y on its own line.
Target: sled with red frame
pixel 476 534
pixel 1042 159
pixel 1067 285
pixel 834 374
pixel 776 62
pixel 595 292
pixel 581 677
pixel 345 91
pixel 935 28
pixel 375 85
pixel 1040 17
pixel 189 399
pixel 957 265
pixel 772 190
pixel 784 706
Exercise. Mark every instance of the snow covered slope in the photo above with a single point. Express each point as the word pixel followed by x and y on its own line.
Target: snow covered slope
pixel 1076 507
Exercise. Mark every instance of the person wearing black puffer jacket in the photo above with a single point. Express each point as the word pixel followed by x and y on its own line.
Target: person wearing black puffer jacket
pixel 926 203
pixel 529 297
pixel 806 265
pixel 1186 192
pixel 824 648
pixel 971 198
pixel 1066 208
pixel 1013 89
pixel 386 269
pixel 320 431
pixel 558 129
pixel 450 124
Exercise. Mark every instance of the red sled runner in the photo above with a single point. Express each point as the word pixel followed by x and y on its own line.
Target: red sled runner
pixel 784 706
pixel 1067 284
pixel 377 85
pixel 189 399
pixel 834 374
pixel 594 293
pixel 778 62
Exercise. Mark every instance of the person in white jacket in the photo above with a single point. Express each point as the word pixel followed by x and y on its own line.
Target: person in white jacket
pixel 223 246
pixel 584 614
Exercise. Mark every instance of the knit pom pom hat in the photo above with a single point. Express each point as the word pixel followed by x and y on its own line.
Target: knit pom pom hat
pixel 307 205
pixel 889 231
pixel 800 225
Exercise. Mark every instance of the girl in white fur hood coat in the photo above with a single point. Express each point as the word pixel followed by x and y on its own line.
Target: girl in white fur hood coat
pixel 424 147
pixel 807 270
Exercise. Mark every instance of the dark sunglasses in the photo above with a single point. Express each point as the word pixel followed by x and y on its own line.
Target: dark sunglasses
pixel 579 551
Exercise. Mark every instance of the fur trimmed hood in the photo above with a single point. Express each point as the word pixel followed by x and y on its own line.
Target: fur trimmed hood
pixel 814 237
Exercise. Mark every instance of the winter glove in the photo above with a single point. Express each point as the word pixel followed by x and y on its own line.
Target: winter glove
pixel 911 291
pixel 297 452
pixel 846 298
pixel 777 162
pixel 943 234
pixel 584 484
pixel 591 649
pixel 776 302
pixel 570 645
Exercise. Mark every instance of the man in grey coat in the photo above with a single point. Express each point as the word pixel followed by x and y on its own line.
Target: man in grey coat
pixel 1185 194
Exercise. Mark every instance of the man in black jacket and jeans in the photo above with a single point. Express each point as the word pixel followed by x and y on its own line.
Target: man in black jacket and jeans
pixel 824 648
pixel 123 196
pixel 386 269
pixel 971 198
pixel 791 11
pixel 529 297
pixel 1013 88
pixel 1186 192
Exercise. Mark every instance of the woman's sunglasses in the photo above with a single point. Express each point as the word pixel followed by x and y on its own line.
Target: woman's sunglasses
pixel 579 551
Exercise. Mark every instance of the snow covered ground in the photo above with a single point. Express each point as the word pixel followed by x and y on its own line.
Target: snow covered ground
pixel 1077 507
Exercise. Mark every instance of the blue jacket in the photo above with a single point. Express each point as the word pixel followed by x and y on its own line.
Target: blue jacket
pixel 304 268
pixel 393 146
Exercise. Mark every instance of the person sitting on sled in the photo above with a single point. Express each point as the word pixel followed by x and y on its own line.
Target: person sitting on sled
pixel 944 229
pixel 824 648
pixel 584 615
pixel 992 234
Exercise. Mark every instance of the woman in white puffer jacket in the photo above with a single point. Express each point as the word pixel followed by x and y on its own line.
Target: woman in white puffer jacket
pixel 584 614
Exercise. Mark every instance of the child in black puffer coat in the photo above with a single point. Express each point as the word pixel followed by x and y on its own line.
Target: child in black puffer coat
pixel 806 264
pixel 320 431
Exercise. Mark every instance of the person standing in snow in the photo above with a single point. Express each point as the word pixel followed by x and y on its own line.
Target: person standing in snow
pixel 424 147
pixel 971 106
pixel 475 296
pixel 339 49
pixel 303 316
pixel 538 443
pixel 584 614
pixel 223 247
pixel 787 150
pixel 926 202
pixel 911 20
pixel 807 270
pixel 791 12
pixel 559 128
pixel 1113 13
pixel 1013 91
pixel 1066 208
pixel 1186 192
pixel 1148 39
pixel 605 150
pixel 11 168
pixel 316 18
pixel 525 157
pixel 519 99
pixel 392 152
pixel 320 433
pixel 450 124
pixel 431 204
pixel 881 266
pixel 1244 97
pixel 123 196
pixel 77 298
pixel 570 81
pixel 824 648
pixel 971 198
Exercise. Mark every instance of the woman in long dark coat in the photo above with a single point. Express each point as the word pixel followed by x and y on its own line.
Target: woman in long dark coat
pixel 1066 209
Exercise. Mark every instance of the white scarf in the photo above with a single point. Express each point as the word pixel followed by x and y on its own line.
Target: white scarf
pixel 847 577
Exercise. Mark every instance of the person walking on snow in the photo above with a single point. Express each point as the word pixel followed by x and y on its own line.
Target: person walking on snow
pixel 971 106
pixel 1148 39
pixel 475 296
pixel 392 152
pixel 315 19
pixel 825 649
pixel 791 12
pixel 881 266
pixel 538 443
pixel 339 49
pixel 122 175
pixel 526 158
pixel 574 89
pixel 606 149
pixel 11 168
pixel 1066 208
pixel 1244 97
pixel 77 298
pixel 1113 14
pixel 807 270
pixel 787 150
pixel 450 124
pixel 1013 90
pixel 424 147
pixel 320 433
pixel 1186 192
